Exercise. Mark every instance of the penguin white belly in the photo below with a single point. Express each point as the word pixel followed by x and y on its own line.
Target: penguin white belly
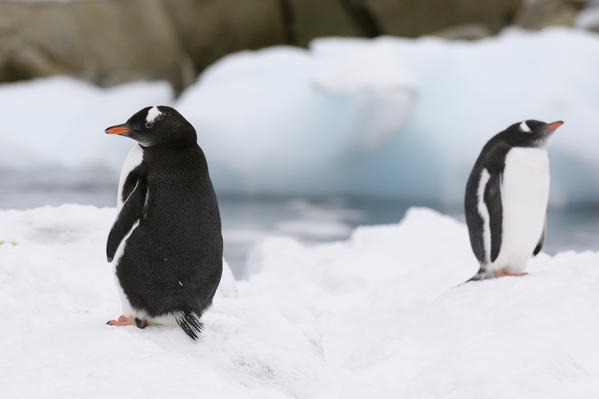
pixel 524 197
pixel 133 159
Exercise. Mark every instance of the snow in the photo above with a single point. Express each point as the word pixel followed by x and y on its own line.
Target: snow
pixel 380 315
pixel 419 143
pixel 386 117
pixel 59 122
pixel 588 18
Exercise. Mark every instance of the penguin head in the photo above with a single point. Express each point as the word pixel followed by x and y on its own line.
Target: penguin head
pixel 156 125
pixel 531 133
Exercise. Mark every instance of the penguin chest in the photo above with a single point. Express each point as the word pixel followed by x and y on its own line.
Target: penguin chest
pixel 524 197
pixel 134 158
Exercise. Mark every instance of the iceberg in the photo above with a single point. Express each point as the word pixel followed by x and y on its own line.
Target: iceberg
pixel 386 117
pixel 396 117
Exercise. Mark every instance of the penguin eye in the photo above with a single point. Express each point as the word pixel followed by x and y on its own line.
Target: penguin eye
pixel 149 125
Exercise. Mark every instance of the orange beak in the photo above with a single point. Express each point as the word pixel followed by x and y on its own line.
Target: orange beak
pixel 554 125
pixel 120 129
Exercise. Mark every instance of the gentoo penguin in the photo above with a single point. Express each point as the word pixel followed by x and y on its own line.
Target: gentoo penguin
pixel 166 244
pixel 506 199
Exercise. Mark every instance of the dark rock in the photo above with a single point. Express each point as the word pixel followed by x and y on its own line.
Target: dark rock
pixel 413 18
pixel 540 14
pixel 317 18
pixel 102 41
pixel 210 29
pixel 464 32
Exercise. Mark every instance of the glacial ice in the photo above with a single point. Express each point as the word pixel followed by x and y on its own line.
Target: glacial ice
pixel 387 117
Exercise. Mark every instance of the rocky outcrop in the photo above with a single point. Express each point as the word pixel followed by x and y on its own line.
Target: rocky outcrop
pixel 112 41
pixel 102 41
pixel 210 29
pixel 538 14
pixel 413 18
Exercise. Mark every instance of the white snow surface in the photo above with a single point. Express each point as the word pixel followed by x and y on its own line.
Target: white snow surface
pixel 378 316
pixel 387 117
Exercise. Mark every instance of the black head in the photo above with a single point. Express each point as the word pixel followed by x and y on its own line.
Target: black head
pixel 154 126
pixel 531 133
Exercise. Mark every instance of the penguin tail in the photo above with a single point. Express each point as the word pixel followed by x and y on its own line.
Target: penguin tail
pixel 190 323
pixel 480 275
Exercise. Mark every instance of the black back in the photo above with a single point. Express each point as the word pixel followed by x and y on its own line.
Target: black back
pixel 492 158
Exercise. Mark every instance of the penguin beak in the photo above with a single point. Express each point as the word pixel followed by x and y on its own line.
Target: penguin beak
pixel 118 129
pixel 552 126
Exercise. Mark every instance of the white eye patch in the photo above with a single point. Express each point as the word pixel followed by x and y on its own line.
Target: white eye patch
pixel 524 127
pixel 153 114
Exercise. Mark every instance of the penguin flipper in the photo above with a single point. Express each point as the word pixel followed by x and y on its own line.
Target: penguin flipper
pixel 493 203
pixel 131 212
pixel 541 240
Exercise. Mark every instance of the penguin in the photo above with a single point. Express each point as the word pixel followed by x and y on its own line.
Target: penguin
pixel 506 199
pixel 166 243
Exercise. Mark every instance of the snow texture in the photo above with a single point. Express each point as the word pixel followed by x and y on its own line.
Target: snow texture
pixel 387 117
pixel 588 18
pixel 378 316
pixel 59 122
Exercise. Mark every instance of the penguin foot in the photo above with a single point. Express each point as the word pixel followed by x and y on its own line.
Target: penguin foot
pixel 141 323
pixel 122 321
pixel 502 273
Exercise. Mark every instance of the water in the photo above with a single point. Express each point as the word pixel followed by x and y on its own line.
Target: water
pixel 246 221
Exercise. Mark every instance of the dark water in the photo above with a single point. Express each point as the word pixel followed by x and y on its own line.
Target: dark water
pixel 246 221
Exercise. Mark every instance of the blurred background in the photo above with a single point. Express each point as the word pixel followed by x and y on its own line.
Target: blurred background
pixel 315 115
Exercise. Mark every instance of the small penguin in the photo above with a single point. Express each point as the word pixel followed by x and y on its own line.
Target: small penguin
pixel 506 199
pixel 166 244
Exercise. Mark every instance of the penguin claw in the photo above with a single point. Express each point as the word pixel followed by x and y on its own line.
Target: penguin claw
pixel 122 321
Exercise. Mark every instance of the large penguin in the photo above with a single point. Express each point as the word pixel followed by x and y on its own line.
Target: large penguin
pixel 506 199
pixel 166 244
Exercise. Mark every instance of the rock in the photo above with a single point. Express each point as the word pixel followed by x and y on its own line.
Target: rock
pixel 588 19
pixel 211 29
pixel 101 41
pixel 413 18
pixel 538 14
pixel 464 32
pixel 310 19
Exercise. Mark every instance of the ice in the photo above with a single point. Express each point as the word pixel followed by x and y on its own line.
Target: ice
pixel 387 117
pixel 281 120
pixel 59 122
pixel 272 120
pixel 379 316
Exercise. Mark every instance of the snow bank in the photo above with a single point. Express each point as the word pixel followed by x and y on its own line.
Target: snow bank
pixel 59 122
pixel 376 316
pixel 386 117
pixel 272 120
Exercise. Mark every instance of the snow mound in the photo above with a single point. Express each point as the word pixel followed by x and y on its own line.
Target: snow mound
pixel 377 316
pixel 266 116
pixel 59 122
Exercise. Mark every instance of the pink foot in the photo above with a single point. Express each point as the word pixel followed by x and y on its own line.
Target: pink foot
pixel 122 321
pixel 502 273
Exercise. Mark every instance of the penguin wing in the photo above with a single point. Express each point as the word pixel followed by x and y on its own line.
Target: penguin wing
pixel 131 212
pixel 492 200
pixel 541 240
